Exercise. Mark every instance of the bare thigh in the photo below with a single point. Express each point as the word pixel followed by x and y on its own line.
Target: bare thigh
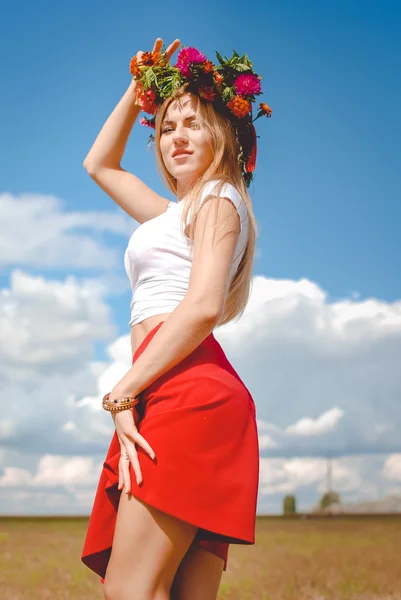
pixel 199 575
pixel 148 546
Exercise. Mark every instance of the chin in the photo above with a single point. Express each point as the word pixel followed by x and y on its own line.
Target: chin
pixel 182 171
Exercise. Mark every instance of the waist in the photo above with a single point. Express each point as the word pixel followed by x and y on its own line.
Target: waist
pixel 146 309
pixel 144 305
pixel 140 330
pixel 206 367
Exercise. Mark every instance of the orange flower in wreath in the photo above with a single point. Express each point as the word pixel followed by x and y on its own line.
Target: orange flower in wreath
pixel 134 69
pixel 208 66
pixel 147 59
pixel 239 106
pixel 266 110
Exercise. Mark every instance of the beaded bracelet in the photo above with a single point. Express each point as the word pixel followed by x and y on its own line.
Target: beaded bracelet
pixel 119 403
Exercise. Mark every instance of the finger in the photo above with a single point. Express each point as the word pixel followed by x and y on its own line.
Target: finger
pixel 120 471
pixel 120 477
pixel 123 469
pixel 157 47
pixel 129 444
pixel 172 48
pixel 137 438
pixel 133 459
pixel 126 475
pixel 134 437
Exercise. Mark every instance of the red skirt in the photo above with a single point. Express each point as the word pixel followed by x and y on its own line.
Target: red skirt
pixel 200 419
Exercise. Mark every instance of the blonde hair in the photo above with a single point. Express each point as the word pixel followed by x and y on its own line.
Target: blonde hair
pixel 226 168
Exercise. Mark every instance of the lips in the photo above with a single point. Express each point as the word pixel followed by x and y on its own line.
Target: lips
pixel 181 152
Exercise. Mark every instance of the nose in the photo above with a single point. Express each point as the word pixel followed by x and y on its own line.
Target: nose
pixel 179 136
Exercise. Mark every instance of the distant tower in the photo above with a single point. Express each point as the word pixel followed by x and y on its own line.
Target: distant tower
pixel 329 474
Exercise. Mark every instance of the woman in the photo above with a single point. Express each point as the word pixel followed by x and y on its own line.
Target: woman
pixel 186 452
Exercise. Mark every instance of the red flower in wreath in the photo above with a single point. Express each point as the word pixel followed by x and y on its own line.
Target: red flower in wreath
pixel 207 93
pixel 146 100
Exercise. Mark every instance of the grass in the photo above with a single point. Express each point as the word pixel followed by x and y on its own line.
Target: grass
pixel 293 559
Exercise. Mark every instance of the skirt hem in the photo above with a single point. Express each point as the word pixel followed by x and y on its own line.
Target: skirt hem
pixel 206 534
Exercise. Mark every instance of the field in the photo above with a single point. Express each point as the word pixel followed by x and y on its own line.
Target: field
pixel 298 559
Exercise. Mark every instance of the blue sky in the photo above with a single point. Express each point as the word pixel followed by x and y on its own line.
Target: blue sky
pixel 326 192
pixel 327 187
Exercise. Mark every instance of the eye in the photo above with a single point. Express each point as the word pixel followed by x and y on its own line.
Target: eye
pixel 196 124
pixel 166 129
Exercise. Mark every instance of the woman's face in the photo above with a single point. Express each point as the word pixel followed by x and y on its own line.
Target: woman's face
pixel 183 143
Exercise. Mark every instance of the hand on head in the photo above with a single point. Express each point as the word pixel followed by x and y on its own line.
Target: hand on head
pixel 157 48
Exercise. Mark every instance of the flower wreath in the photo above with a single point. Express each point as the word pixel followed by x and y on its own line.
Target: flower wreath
pixel 230 86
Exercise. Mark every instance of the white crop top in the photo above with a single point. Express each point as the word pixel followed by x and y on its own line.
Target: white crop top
pixel 158 262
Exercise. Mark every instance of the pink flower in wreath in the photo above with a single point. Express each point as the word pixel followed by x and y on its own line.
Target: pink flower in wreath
pixel 247 85
pixel 146 122
pixel 186 56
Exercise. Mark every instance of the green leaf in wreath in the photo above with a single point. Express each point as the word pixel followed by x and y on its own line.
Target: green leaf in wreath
pixel 220 58
pixel 242 67
pixel 227 94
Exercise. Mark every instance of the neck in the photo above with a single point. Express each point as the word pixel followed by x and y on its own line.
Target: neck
pixel 183 187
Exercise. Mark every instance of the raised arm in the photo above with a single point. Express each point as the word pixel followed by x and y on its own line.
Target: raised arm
pixel 103 159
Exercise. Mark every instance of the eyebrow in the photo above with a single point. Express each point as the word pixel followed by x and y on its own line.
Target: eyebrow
pixel 186 119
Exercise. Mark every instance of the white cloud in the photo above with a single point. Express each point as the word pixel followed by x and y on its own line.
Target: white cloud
pixel 14 476
pixel 280 476
pixel 47 334
pixel 6 428
pixel 324 377
pixel 266 441
pixel 53 471
pixel 324 374
pixel 265 427
pixel 69 426
pixel 42 501
pixel 392 467
pixel 36 231
pixel 120 362
pixel 49 325
pixel 290 348
pixel 308 426
pixel 60 470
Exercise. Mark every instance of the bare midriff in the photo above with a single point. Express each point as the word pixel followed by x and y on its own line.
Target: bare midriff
pixel 141 330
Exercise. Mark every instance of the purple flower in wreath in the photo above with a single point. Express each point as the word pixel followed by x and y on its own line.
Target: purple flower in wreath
pixel 247 85
pixel 186 56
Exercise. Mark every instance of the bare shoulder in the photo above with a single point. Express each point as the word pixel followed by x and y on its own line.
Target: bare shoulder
pixel 217 193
